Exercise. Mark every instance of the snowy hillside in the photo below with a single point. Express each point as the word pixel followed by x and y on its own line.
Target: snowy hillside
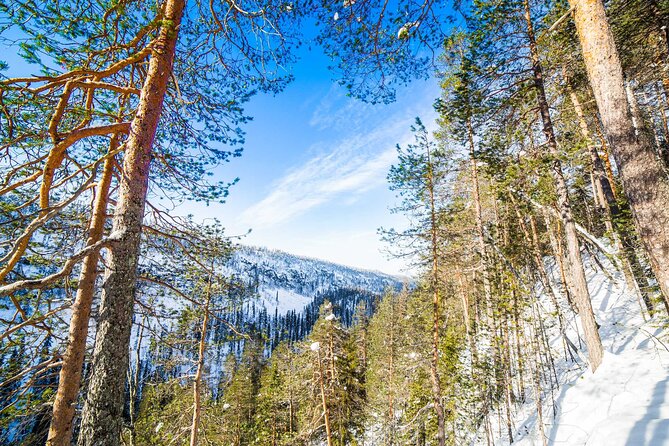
pixel 626 402
pixel 288 282
pixel 279 300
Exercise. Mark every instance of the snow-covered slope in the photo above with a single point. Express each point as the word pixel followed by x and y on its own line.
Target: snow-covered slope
pixel 288 282
pixel 279 301
pixel 626 401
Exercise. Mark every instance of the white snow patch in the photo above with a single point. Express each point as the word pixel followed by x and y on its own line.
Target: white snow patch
pixel 284 300
pixel 626 401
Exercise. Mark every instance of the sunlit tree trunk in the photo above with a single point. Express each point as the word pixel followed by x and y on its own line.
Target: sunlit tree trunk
pixel 578 280
pixel 622 238
pixel 487 289
pixel 324 401
pixel 197 381
pixel 60 430
pixel 103 411
pixel 436 307
pixel 643 176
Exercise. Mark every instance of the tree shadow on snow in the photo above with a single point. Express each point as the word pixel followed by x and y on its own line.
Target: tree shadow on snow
pixel 651 425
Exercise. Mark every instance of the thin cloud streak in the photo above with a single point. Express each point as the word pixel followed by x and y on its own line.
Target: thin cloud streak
pixel 337 111
pixel 353 167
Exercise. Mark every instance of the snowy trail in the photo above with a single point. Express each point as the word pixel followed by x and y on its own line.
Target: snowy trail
pixel 626 402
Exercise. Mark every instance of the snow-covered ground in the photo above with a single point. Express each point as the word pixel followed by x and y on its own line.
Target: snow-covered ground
pixel 283 300
pixel 626 401
pixel 285 282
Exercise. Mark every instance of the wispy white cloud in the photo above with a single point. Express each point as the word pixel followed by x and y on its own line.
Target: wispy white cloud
pixel 348 170
pixel 343 171
pixel 335 110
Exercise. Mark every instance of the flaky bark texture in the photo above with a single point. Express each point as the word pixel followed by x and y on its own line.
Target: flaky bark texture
pixel 578 280
pixel 102 417
pixel 60 430
pixel 645 182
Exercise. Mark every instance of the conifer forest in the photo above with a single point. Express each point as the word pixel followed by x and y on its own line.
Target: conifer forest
pixel 533 307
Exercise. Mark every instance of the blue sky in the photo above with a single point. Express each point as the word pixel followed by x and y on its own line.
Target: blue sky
pixel 313 172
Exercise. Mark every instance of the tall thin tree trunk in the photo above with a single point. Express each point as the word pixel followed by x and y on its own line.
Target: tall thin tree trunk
pixel 487 289
pixel 103 411
pixel 468 328
pixel 197 382
pixel 436 310
pixel 69 381
pixel 602 186
pixel 556 247
pixel 326 410
pixel 621 236
pixel 643 176
pixel 507 403
pixel 533 240
pixel 537 393
pixel 518 331
pixel 485 259
pixel 390 435
pixel 581 293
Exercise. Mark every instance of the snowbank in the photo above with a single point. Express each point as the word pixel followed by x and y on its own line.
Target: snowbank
pixel 626 402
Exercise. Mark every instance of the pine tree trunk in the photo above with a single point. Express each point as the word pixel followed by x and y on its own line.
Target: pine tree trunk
pixel 69 381
pixel 326 410
pixel 390 436
pixel 643 176
pixel 103 411
pixel 622 238
pixel 602 186
pixel 487 289
pixel 197 382
pixel 436 311
pixel 580 285
pixel 518 331
pixel 533 241
pixel 556 247
pixel 468 328
pixel 537 398
pixel 508 405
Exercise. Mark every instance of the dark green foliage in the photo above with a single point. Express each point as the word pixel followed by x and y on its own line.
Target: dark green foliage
pixel 164 414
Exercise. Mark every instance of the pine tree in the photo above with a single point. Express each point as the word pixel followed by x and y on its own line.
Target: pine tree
pixel 643 176
pixel 420 179
pixel 386 372
pixel 278 399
